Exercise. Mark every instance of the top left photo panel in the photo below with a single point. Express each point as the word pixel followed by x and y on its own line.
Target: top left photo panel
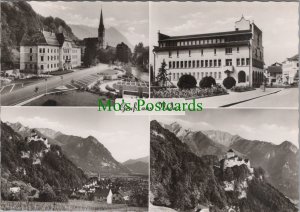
pixel 73 53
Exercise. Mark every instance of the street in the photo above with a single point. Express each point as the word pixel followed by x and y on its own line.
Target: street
pixel 16 96
pixel 283 99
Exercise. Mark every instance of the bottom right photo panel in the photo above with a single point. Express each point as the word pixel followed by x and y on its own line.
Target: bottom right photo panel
pixel 225 160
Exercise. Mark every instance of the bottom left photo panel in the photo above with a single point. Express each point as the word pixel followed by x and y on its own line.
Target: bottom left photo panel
pixel 73 159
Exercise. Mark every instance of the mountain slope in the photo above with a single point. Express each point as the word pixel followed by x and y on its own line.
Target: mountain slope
pixel 112 36
pixel 138 166
pixel 183 181
pixel 34 161
pixel 87 153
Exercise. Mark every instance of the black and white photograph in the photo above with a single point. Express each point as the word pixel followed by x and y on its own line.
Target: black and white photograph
pixel 225 160
pixel 76 159
pixel 239 54
pixel 73 53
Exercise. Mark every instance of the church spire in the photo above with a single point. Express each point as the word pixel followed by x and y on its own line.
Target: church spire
pixel 101 31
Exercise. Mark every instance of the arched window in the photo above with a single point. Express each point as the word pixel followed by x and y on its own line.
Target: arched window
pixel 241 76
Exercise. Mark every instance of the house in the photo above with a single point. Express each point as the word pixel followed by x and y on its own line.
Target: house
pixel 46 52
pixel 274 73
pixel 238 53
pixel 290 70
pixel 103 195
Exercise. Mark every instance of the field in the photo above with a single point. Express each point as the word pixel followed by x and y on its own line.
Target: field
pixel 72 205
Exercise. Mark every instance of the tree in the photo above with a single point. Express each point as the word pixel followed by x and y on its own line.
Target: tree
pixel 123 53
pixel 207 82
pixel 47 194
pixel 187 82
pixel 162 76
pixel 229 82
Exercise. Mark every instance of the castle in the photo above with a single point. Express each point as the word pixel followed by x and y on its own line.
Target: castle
pixel 231 160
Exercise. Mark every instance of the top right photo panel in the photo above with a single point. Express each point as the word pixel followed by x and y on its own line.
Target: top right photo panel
pixel 225 54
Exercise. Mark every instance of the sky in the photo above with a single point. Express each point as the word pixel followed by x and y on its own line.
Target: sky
pixel 130 18
pixel 126 137
pixel 271 125
pixel 277 20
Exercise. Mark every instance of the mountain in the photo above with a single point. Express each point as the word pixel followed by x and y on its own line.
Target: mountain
pixel 112 36
pixel 18 19
pixel 35 162
pixel 138 166
pixel 184 181
pixel 87 153
pixel 279 161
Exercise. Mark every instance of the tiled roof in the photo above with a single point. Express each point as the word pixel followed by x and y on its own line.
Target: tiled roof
pixel 275 69
pixel 50 38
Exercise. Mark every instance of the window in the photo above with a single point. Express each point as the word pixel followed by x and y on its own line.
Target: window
pixel 189 53
pixel 174 64
pixel 181 64
pixel 42 67
pixel 247 61
pixel 220 62
pixel 215 75
pixel 220 75
pixel 44 50
pixel 198 63
pixel 30 58
pixel 202 75
pixel 41 50
pixel 30 65
pixel 243 61
pixel 228 50
pixel 201 52
pixel 215 51
pixel 210 74
pixel 177 53
pixel 202 63
pixel 174 76
pixel 42 58
pixel 190 64
pixel 238 62
pixel 177 64
pixel 185 64
pixel 238 49
pixel 48 66
pixel 228 62
pixel 206 63
pixel 193 63
pixel 210 63
pixel 30 50
pixel 170 64
pixel 51 66
pixel 215 63
pixel 170 54
pixel 177 76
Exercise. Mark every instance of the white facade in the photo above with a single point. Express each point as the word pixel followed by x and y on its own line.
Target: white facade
pixel 290 67
pixel 238 53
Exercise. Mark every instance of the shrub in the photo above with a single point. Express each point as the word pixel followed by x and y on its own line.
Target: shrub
pixel 187 82
pixel 229 82
pixel 207 82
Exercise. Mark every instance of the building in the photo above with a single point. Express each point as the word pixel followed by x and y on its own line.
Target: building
pixel 274 73
pixel 290 70
pixel 238 53
pixel 45 52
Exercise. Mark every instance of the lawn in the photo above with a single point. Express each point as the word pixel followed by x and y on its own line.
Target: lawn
pixel 61 72
pixel 68 98
pixel 72 205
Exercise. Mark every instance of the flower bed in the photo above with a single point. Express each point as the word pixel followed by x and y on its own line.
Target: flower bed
pixel 242 88
pixel 188 93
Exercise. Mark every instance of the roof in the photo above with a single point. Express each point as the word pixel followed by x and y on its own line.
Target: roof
pixel 231 150
pixel 275 69
pixel 294 58
pixel 50 38
pixel 164 37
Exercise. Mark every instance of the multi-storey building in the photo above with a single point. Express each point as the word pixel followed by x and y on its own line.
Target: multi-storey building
pixel 237 53
pixel 290 70
pixel 47 51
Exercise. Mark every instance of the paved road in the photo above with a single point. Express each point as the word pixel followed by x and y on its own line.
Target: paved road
pixel 285 98
pixel 28 92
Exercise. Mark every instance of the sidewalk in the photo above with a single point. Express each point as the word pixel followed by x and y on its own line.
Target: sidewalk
pixel 235 97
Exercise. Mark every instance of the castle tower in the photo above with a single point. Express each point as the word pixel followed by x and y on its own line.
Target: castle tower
pixel 101 32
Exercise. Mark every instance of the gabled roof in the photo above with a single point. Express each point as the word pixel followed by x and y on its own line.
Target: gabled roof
pixel 102 192
pixel 275 69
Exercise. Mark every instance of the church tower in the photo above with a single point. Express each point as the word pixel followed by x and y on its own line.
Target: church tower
pixel 101 32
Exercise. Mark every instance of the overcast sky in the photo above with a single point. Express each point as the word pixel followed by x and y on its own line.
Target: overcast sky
pixel 269 125
pixel 130 18
pixel 126 137
pixel 277 20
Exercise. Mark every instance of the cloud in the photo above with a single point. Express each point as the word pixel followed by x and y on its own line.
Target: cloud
pixel 186 27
